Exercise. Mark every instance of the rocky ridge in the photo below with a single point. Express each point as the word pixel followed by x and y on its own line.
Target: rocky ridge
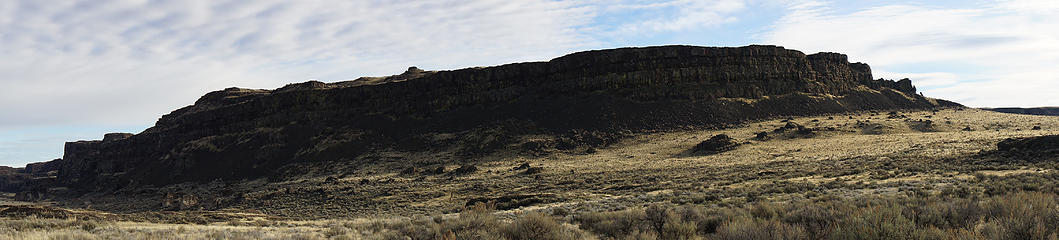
pixel 1043 111
pixel 248 133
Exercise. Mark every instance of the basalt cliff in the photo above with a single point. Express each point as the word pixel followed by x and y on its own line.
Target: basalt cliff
pixel 583 99
pixel 1042 111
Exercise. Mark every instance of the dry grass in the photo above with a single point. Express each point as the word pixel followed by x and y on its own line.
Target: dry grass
pixel 635 170
pixel 1021 215
pixel 892 178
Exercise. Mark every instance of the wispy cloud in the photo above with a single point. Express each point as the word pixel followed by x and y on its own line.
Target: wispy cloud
pixel 647 17
pixel 129 61
pixel 117 61
pixel 999 53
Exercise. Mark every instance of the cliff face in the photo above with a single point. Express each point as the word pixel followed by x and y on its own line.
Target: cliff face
pixel 1042 111
pixel 243 133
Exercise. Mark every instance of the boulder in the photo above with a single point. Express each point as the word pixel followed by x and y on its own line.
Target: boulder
pixel 1036 146
pixel 716 144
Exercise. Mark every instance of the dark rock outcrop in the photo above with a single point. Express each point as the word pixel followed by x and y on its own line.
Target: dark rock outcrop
pixel 31 181
pixel 716 144
pixel 110 137
pixel 903 85
pixel 12 179
pixel 1042 111
pixel 1042 146
pixel 43 168
pixel 244 133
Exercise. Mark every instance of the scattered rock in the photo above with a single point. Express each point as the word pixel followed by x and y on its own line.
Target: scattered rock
pixel 1036 128
pixel 28 196
pixel 410 171
pixel 922 125
pixel 805 132
pixel 537 146
pixel 533 170
pixel 523 166
pixel 465 169
pixel 582 139
pixel 180 201
pixel 968 129
pixel 762 136
pixel 789 126
pixel 439 170
pixel 25 211
pixel 514 201
pixel 716 144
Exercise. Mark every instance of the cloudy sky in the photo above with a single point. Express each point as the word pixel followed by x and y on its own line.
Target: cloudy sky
pixel 75 69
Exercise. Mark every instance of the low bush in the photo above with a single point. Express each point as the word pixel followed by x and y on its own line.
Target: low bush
pixel 1019 215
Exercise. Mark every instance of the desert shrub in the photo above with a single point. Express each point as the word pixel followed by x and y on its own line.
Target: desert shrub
pixel 236 235
pixel 421 229
pixel 336 230
pixel 818 220
pixel 946 213
pixel 766 210
pixel 613 224
pixel 1027 215
pixel 536 226
pixel 874 222
pixel 754 228
pixel 705 221
pixel 930 233
pixel 473 223
pixel 677 228
pixel 72 235
pixel 657 215
pixel 641 235
pixel 1019 215
pixel 33 223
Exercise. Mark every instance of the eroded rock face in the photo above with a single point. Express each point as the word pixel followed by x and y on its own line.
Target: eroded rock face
pixel 43 168
pixel 116 136
pixel 244 133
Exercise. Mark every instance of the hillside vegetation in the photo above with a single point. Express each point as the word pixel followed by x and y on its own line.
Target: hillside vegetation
pixel 847 176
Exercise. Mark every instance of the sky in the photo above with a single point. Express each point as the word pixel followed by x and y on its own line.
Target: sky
pixel 76 69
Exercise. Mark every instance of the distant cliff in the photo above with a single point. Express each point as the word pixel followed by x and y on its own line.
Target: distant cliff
pixel 1043 111
pixel 244 133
